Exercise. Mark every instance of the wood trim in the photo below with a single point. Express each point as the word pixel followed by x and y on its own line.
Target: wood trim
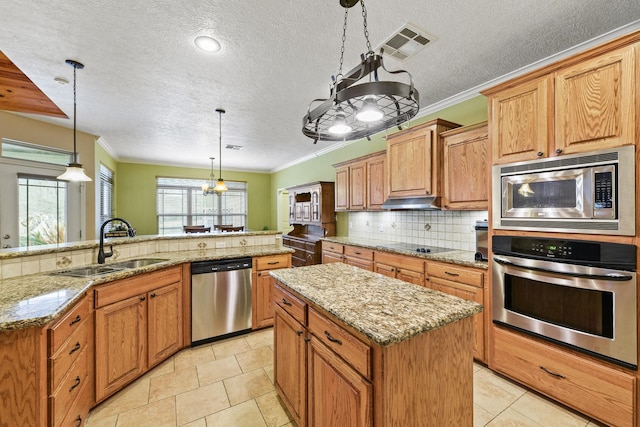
pixel 358 159
pixel 186 305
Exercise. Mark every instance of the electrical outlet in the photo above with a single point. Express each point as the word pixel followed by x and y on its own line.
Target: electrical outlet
pixel 350 225
pixel 221 245
pixel 381 227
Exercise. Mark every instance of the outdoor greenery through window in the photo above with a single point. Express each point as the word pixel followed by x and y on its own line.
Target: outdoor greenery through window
pixel 41 210
pixel 106 194
pixel 180 202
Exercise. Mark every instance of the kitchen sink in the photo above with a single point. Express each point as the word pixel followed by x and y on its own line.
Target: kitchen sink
pixel 102 269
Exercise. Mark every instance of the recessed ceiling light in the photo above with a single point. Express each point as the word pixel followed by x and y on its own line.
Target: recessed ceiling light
pixel 61 81
pixel 208 44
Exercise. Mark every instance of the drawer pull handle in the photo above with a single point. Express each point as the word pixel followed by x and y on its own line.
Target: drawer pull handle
pixel 273 262
pixel 75 348
pixel 78 421
pixel 554 374
pixel 75 384
pixel 332 339
pixel 451 274
pixel 285 302
pixel 153 295
pixel 307 339
pixel 299 332
pixel 358 253
pixel 76 320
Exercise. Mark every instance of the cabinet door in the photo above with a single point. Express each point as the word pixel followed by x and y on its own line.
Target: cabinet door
pixel 360 263
pixel 264 306
pixel 410 276
pixel 384 269
pixel 409 165
pixel 520 128
pixel 121 335
pixel 470 293
pixel 342 188
pixel 338 395
pixel 165 322
pixel 328 257
pixel 466 176
pixel 358 186
pixel 290 363
pixel 375 182
pixel 595 103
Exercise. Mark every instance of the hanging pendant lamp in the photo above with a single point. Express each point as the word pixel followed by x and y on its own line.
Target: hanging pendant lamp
pixel 75 171
pixel 220 185
pixel 360 104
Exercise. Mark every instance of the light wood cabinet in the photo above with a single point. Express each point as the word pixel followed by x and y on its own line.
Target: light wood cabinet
pixel 262 288
pixel 465 283
pixel 595 389
pixel 358 257
pixel 332 252
pixel 414 160
pixel 580 104
pixel 360 183
pixel 129 314
pixel 406 268
pixel 466 168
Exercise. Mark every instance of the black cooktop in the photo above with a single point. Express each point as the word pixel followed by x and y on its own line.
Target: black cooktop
pixel 414 247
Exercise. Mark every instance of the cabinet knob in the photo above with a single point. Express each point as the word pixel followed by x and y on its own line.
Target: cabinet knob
pixel 540 154
pixel 142 298
pixel 558 150
pixel 78 421
pixel 299 332
pixel 153 295
pixel 285 302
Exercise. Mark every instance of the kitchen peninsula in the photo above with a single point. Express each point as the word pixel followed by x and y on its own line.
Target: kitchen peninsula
pixel 376 350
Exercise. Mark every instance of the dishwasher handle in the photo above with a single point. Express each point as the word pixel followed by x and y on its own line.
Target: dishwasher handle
pixel 203 267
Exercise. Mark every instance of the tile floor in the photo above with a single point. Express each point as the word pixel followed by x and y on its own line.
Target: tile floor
pixel 230 383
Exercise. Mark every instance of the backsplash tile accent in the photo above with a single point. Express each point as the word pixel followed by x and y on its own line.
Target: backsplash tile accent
pixel 449 229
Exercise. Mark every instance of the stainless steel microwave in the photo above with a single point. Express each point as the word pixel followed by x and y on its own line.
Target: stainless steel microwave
pixel 592 193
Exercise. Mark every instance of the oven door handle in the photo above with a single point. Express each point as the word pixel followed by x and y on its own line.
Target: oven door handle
pixel 611 276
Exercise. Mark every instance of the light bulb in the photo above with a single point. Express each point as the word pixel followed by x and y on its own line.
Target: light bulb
pixel 340 125
pixel 370 112
pixel 208 44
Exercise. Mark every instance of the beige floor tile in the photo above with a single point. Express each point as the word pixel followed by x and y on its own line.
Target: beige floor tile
pixel 270 374
pixel 133 396
pixel 157 414
pixel 201 402
pixel 245 414
pixel 201 422
pixel 490 397
pixel 164 368
pixel 272 411
pixel 544 412
pixel 95 420
pixel 218 370
pixel 193 357
pixel 254 359
pixel 511 418
pixel 173 383
pixel 480 416
pixel 230 347
pixel 248 386
pixel 495 379
pixel 261 338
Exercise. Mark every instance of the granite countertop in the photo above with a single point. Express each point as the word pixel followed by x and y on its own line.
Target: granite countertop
pixel 37 299
pixel 385 310
pixel 454 256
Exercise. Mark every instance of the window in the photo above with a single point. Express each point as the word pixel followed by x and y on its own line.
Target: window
pixel 180 202
pixel 41 210
pixel 106 194
pixel 25 151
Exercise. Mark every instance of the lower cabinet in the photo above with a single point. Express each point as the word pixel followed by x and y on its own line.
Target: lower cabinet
pixel 596 389
pixel 358 257
pixel 331 252
pixel 406 268
pixel 262 288
pixel 138 324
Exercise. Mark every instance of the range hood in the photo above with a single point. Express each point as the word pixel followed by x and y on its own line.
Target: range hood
pixel 422 203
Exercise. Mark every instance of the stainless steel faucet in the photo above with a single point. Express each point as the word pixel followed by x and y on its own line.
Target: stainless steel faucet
pixel 102 256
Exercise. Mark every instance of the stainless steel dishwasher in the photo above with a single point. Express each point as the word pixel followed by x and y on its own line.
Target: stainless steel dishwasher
pixel 220 299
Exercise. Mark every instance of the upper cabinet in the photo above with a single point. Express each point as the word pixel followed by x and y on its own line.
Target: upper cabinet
pixel 580 104
pixel 413 160
pixel 466 171
pixel 360 183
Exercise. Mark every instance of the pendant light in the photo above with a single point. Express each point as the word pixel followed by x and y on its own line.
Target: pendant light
pixel 207 187
pixel 360 104
pixel 220 185
pixel 75 171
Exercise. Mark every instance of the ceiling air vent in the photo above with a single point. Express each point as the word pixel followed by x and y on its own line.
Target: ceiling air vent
pixel 233 147
pixel 406 42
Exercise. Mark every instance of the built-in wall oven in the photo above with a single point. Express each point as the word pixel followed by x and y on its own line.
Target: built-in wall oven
pixel 589 193
pixel 577 293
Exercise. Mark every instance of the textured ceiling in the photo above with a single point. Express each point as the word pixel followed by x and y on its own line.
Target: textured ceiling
pixel 151 94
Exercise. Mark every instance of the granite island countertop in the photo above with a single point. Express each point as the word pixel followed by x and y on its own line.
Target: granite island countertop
pixel 453 256
pixel 36 299
pixel 385 310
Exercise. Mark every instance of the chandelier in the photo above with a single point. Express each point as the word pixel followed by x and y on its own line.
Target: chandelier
pixel 220 186
pixel 208 187
pixel 360 104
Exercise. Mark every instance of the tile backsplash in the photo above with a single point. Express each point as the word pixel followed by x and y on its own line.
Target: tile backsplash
pixel 450 229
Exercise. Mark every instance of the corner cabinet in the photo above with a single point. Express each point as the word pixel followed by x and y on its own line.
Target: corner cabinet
pixel 584 103
pixel 360 183
pixel 138 325
pixel 466 168
pixel 414 160
pixel 262 288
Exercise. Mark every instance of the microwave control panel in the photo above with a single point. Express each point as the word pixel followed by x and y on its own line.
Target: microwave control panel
pixel 603 197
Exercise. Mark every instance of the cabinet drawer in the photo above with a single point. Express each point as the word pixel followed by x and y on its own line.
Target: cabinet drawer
pixel 64 396
pixel 66 355
pixel 332 247
pixel 400 261
pixel 292 305
pixel 455 273
pixel 351 349
pixel 127 288
pixel 68 323
pixel 77 413
pixel 272 262
pixel 356 252
pixel 597 390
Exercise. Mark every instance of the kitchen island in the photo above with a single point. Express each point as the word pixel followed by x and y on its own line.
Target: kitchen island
pixel 356 348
